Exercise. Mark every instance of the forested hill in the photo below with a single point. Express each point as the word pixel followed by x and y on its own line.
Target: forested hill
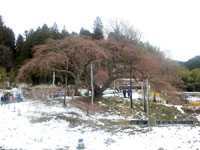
pixel 36 55
pixel 191 75
pixel 192 63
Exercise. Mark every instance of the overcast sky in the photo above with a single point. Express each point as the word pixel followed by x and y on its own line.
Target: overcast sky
pixel 172 25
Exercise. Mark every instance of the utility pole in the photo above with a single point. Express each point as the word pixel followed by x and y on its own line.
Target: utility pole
pixel 131 100
pixel 147 100
pixel 0 83
pixel 73 92
pixel 66 76
pixel 114 84
pixel 92 85
pixel 144 95
pixel 54 74
pixel 114 53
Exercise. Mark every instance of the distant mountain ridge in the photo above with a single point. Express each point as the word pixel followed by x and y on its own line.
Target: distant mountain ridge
pixel 192 63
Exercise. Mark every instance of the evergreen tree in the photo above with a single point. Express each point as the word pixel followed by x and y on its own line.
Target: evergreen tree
pixel 26 34
pixel 7 36
pixel 74 34
pixel 84 32
pixel 32 38
pixel 64 32
pixel 7 43
pixel 55 32
pixel 19 48
pixel 6 57
pixel 9 40
pixel 45 27
pixel 1 21
pixel 98 29
pixel 192 63
pixel 1 29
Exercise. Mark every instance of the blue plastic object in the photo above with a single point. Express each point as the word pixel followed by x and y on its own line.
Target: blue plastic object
pixel 80 140
pixel 81 145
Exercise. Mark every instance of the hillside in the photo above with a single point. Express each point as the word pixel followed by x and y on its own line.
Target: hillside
pixel 192 63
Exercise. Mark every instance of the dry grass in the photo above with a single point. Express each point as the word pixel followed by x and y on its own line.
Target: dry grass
pixel 190 110
pixel 196 103
pixel 84 104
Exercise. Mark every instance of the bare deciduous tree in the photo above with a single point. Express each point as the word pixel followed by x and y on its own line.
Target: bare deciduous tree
pixel 121 29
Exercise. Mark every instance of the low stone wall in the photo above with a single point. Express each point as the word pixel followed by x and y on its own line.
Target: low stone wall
pixel 157 122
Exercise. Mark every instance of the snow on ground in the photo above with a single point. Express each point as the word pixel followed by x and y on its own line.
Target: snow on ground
pixel 193 98
pixel 198 117
pixel 23 126
pixel 179 107
pixel 135 95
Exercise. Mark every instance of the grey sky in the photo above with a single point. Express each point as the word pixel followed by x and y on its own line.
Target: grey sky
pixel 172 25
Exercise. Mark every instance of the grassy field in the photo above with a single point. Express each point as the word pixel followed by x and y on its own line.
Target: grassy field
pixel 119 107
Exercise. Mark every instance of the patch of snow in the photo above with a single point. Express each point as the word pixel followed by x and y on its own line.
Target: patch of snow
pixel 110 93
pixel 136 95
pixel 19 132
pixel 193 98
pixel 101 104
pixel 179 107
pixel 198 117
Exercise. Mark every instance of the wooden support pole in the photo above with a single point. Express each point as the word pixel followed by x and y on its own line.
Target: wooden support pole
pixel 66 76
pixel 131 100
pixel 92 86
pixel 147 102
pixel 54 74
pixel 73 91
